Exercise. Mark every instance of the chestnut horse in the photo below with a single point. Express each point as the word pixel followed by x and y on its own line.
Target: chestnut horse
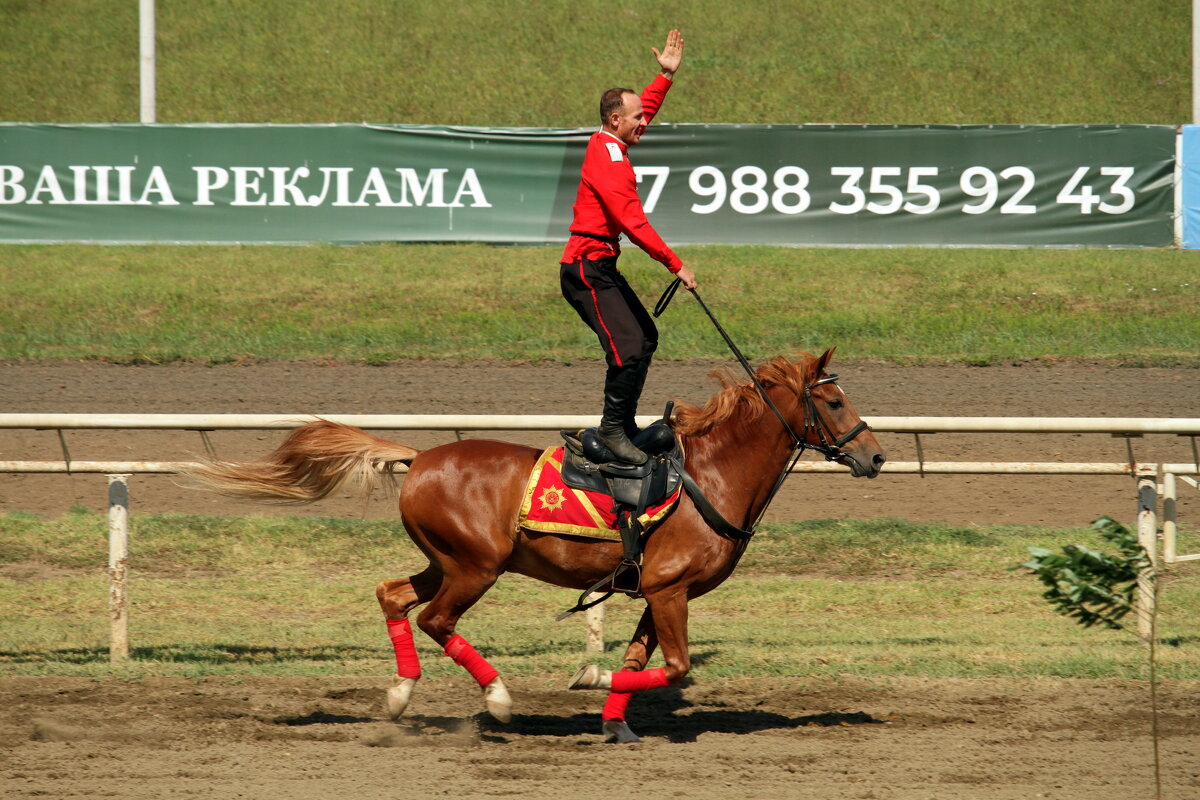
pixel 460 501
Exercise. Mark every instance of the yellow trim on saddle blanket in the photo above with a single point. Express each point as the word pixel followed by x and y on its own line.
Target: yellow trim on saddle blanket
pixel 580 515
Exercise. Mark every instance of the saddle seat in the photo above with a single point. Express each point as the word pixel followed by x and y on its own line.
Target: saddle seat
pixel 590 465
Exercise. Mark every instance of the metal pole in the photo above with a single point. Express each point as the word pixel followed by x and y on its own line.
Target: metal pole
pixel 1147 528
pixel 118 558
pixel 149 101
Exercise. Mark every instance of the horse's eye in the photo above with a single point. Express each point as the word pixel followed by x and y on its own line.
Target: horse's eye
pixel 835 404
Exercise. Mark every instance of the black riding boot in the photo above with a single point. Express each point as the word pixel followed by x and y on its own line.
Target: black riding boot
pixel 630 425
pixel 620 394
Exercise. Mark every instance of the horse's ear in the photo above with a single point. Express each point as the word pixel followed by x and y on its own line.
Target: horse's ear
pixel 823 361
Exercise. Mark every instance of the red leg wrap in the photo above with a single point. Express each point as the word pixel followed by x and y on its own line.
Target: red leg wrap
pixel 639 681
pixel 407 663
pixel 460 650
pixel 615 706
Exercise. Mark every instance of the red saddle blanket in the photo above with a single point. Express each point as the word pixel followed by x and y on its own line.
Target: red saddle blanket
pixel 550 506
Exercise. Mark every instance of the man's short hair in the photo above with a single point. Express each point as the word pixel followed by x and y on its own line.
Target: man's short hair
pixel 612 100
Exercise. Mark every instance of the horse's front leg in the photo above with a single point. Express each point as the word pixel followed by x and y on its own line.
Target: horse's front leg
pixel 664 621
pixel 642 645
pixel 637 655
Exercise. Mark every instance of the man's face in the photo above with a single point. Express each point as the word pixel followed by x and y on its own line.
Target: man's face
pixel 628 123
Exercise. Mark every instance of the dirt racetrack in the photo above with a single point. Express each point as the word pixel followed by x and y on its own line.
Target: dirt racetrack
pixel 440 388
pixel 908 739
pixel 308 739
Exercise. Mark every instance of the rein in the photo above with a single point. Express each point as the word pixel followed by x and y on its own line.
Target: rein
pixel 830 445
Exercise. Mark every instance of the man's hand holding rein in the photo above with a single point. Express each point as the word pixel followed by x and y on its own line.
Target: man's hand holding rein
pixel 687 277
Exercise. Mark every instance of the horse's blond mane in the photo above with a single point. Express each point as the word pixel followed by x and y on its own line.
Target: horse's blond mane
pixel 721 407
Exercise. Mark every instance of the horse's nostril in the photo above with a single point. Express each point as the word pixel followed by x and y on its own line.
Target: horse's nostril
pixel 879 459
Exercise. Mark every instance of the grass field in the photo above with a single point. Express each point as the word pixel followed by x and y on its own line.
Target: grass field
pixel 270 596
pixel 477 62
pixel 373 304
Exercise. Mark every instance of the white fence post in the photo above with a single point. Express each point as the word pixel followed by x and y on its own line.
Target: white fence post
pixel 1170 515
pixel 1147 529
pixel 595 626
pixel 118 567
pixel 147 63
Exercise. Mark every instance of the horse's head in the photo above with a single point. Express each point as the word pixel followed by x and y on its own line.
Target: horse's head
pixel 816 411
pixel 832 426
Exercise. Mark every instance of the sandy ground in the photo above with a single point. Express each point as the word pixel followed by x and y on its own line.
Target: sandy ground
pixel 766 738
pixel 909 739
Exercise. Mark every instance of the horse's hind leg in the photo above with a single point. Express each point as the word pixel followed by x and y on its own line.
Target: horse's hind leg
pixel 457 594
pixel 397 598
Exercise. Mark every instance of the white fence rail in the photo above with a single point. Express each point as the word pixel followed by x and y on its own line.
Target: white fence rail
pixel 1114 426
pixel 1153 479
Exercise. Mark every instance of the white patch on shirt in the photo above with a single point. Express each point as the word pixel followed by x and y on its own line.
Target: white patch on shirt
pixel 614 151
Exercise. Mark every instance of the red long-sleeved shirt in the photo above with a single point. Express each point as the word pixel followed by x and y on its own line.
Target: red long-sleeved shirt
pixel 607 203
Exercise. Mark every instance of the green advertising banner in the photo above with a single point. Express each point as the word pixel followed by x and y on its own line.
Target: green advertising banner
pixel 1029 185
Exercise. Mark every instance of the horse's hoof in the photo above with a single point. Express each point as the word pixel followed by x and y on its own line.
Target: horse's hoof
pixel 498 701
pixel 590 676
pixel 615 730
pixel 398 695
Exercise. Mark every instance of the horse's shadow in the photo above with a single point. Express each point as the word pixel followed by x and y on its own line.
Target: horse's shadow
pixel 659 719
pixel 664 713
pixel 667 714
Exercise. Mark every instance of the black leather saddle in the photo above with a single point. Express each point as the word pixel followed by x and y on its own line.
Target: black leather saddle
pixel 588 464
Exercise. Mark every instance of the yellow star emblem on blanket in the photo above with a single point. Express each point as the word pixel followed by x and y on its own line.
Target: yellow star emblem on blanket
pixel 553 498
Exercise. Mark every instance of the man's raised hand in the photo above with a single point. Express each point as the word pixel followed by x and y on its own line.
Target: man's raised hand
pixel 672 53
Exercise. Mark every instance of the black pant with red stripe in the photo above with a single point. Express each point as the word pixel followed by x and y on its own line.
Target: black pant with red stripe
pixel 604 300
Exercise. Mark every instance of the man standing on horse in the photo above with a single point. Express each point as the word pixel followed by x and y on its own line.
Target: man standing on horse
pixel 606 206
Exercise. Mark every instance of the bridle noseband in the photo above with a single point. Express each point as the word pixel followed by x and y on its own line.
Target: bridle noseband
pixel 831 445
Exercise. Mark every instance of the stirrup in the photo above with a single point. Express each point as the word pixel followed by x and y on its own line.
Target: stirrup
pixel 622 584
pixel 607 586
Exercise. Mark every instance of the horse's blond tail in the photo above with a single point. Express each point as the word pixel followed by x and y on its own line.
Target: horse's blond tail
pixel 315 460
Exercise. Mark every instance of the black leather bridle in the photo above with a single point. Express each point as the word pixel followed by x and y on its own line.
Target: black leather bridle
pixel 830 443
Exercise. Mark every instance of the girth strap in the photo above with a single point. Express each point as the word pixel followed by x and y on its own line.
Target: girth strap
pixel 707 510
pixel 631 556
